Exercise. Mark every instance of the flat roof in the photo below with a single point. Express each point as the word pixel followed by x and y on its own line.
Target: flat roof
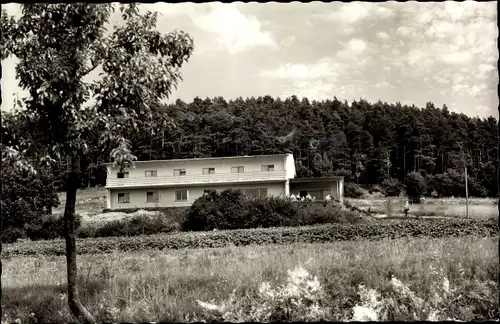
pixel 208 158
pixel 316 179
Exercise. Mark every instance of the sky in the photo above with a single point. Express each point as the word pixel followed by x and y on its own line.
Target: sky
pixel 408 52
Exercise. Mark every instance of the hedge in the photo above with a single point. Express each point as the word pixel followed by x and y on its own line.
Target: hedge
pixel 433 228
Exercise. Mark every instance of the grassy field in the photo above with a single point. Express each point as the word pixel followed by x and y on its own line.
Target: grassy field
pixel 89 202
pixel 165 285
pixel 432 278
pixel 479 208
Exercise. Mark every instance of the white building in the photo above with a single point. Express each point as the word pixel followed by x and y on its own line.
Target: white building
pixel 179 182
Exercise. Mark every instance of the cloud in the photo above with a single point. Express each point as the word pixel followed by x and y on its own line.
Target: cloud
pixel 325 68
pixel 358 12
pixel 287 42
pixel 383 85
pixel 325 78
pixel 450 45
pixel 485 69
pixel 351 12
pixel 235 31
pixel 383 35
pixel 456 58
pixel 354 47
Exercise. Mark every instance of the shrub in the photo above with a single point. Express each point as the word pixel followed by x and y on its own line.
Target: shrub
pixel 476 189
pixel 443 185
pixel 310 214
pixel 415 186
pixel 301 299
pixel 431 228
pixel 137 225
pixel 220 210
pixel 352 190
pixel 232 210
pixel 12 234
pixel 269 212
pixel 392 187
pixel 51 227
pixel 26 199
pixel 305 299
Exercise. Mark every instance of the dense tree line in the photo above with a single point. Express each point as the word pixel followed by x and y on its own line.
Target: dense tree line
pixel 368 143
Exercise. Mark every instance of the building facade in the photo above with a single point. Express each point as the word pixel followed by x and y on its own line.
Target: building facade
pixel 179 182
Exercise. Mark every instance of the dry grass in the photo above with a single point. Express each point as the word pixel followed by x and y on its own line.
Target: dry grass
pixel 480 208
pixel 164 286
pixel 89 202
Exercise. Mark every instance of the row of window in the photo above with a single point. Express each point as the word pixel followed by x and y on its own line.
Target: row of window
pixel 182 195
pixel 182 172
pixel 256 192
pixel 153 196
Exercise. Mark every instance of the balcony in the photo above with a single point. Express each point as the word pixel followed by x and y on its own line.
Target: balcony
pixel 198 179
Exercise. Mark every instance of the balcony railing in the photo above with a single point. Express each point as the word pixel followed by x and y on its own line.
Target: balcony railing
pixel 220 178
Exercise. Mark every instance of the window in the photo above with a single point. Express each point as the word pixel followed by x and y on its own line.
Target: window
pixel 181 195
pixel 269 167
pixel 122 175
pixel 179 172
pixel 151 173
pixel 208 170
pixel 123 198
pixel 237 169
pixel 257 192
pixel 152 196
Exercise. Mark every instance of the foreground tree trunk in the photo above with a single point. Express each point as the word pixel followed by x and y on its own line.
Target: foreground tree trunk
pixel 75 306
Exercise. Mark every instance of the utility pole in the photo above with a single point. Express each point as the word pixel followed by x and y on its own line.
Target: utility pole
pixel 466 187
pixel 466 195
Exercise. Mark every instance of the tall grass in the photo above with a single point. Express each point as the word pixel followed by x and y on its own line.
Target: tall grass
pixel 165 286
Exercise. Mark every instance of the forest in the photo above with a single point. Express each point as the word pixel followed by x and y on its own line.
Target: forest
pixel 367 143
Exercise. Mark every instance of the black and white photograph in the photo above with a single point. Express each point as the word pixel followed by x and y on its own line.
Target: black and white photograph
pixel 249 162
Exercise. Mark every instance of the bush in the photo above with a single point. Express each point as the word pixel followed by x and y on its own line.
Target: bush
pixel 476 189
pixel 269 212
pixel 415 186
pixel 137 225
pixel 352 190
pixel 26 199
pixel 52 227
pixel 12 234
pixel 443 185
pixel 392 187
pixel 311 213
pixel 431 228
pixel 231 210
pixel 216 210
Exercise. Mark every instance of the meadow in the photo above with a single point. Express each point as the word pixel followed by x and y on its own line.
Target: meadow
pixel 381 270
pixel 388 279
pixel 479 208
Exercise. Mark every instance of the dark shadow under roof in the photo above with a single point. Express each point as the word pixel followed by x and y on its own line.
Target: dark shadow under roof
pixel 316 179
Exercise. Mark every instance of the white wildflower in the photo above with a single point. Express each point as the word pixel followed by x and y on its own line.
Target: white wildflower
pixel 364 314
pixel 209 306
pixel 297 275
pixel 446 285
pixel 266 291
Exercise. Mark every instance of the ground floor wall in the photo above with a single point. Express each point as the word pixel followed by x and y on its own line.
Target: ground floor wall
pixel 167 197
pixel 319 190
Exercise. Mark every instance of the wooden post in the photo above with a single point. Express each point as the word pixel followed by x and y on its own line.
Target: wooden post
pixel 466 196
